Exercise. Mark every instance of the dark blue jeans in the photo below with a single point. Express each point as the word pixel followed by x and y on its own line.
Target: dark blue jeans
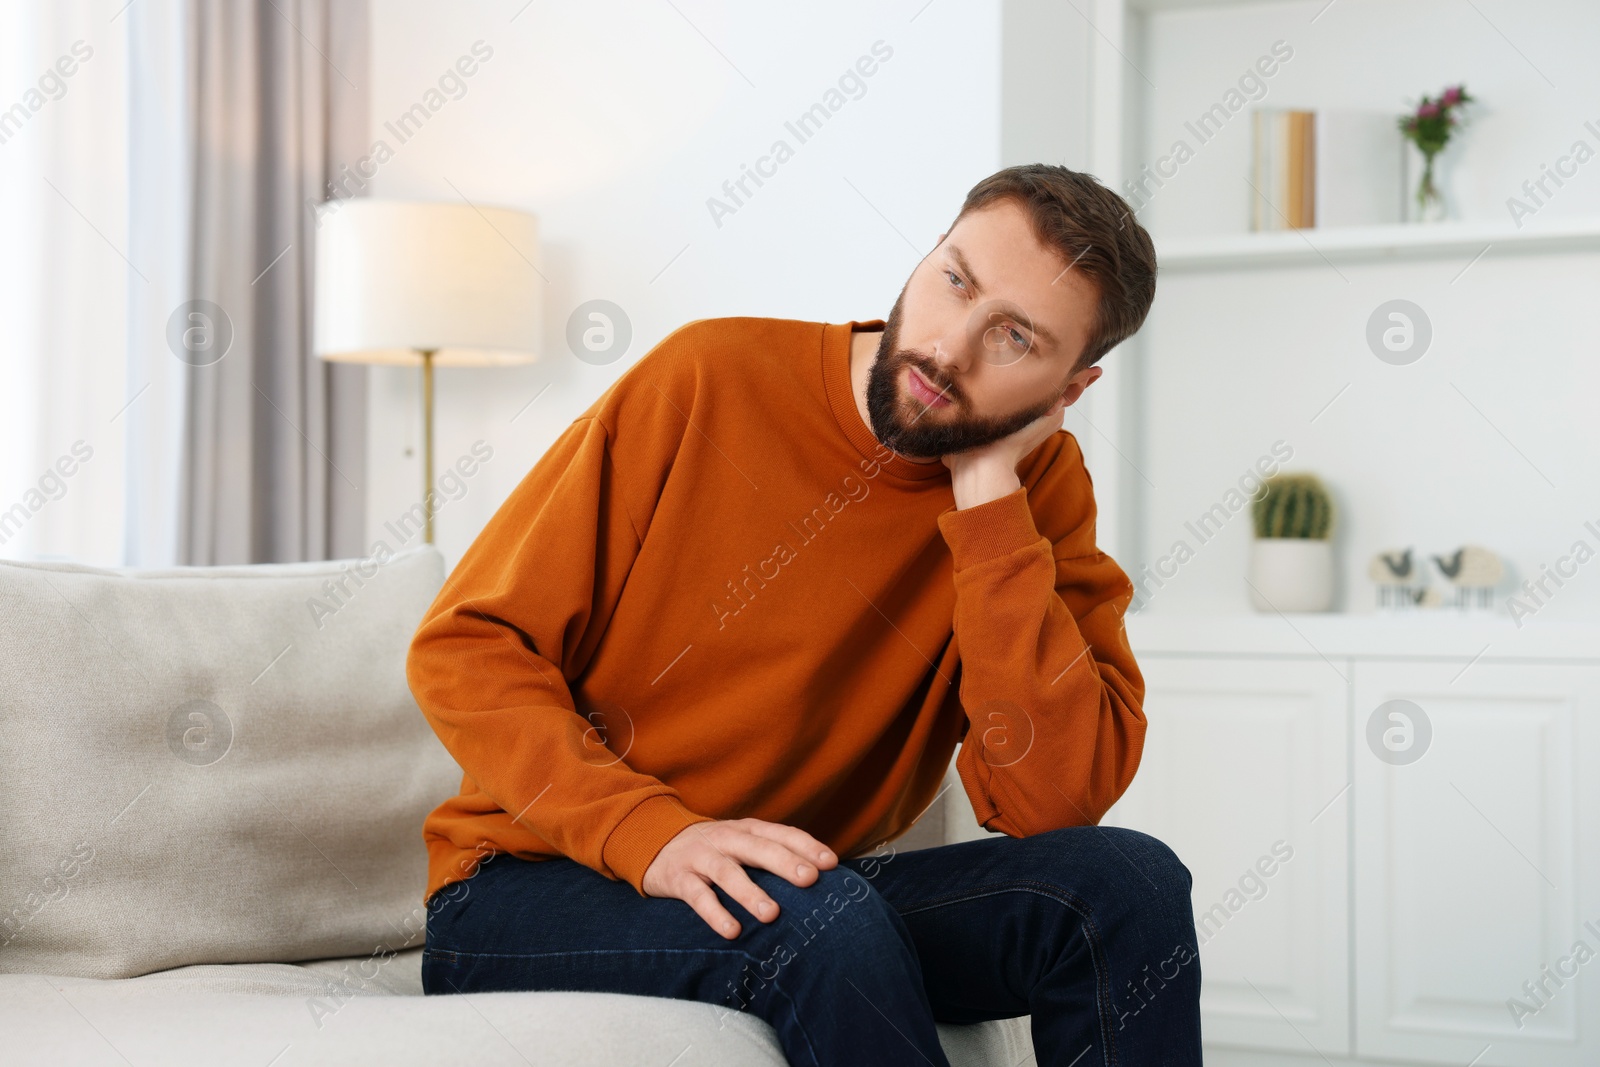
pixel 1088 929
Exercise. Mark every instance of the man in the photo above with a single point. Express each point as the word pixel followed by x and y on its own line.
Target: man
pixel 718 647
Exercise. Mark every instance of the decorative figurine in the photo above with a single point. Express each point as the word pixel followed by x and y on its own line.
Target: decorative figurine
pixel 1471 569
pixel 1397 577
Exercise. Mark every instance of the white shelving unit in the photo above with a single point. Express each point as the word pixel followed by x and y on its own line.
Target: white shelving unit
pixel 1420 897
pixel 1117 429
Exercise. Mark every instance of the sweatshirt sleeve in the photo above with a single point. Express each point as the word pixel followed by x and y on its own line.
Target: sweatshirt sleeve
pixel 1048 681
pixel 517 617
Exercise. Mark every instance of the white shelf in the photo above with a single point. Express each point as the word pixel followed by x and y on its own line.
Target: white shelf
pixel 1376 243
pixel 1430 633
pixel 1188 5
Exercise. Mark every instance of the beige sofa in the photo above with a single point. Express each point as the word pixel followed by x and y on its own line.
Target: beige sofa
pixel 213 786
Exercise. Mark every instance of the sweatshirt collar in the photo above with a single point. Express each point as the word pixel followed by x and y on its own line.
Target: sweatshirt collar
pixel 841 398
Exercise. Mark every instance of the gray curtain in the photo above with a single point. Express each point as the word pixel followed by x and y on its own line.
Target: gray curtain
pixel 274 459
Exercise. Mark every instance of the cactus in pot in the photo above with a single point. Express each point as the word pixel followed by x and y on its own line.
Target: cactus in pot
pixel 1291 559
pixel 1293 505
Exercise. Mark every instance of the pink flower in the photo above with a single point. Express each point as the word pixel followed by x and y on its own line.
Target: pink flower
pixel 1451 97
pixel 1428 111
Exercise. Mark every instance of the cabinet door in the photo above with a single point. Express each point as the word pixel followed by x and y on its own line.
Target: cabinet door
pixel 1245 774
pixel 1475 863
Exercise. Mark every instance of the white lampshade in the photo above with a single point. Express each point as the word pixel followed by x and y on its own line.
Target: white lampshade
pixel 396 277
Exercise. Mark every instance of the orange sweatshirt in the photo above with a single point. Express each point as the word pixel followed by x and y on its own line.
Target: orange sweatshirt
pixel 717 596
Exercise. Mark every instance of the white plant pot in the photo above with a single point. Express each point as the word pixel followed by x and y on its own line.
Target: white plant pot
pixel 1291 574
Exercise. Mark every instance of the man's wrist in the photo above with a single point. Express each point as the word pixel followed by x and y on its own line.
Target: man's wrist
pixel 973 484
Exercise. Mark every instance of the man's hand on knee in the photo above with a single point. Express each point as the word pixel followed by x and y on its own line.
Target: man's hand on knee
pixel 710 853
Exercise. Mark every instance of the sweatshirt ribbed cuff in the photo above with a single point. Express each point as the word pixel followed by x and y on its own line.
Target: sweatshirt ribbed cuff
pixel 635 841
pixel 994 528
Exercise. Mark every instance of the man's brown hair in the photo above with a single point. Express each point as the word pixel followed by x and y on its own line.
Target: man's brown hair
pixel 1094 229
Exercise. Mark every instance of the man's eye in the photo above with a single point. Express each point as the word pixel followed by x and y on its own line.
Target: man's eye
pixel 952 275
pixel 1022 341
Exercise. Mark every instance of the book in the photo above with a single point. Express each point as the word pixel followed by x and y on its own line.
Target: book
pixel 1360 165
pixel 1283 169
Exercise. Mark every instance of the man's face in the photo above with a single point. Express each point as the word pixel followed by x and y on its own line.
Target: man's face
pixel 993 321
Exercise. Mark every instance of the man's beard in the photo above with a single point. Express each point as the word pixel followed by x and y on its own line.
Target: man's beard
pixel 905 424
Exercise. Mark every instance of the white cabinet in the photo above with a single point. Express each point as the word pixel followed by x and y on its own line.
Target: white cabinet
pixel 1245 774
pixel 1476 867
pixel 1442 909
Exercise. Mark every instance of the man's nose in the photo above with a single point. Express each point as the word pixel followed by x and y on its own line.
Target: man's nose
pixel 954 355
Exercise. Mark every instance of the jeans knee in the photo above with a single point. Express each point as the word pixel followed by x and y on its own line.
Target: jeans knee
pixel 1129 867
pixel 839 915
pixel 1156 859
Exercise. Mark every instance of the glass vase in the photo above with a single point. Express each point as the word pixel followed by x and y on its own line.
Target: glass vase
pixel 1427 202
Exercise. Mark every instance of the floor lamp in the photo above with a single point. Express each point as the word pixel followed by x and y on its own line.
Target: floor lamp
pixel 411 283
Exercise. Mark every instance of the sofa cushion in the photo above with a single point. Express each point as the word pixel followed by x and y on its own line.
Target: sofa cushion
pixel 212 764
pixel 371 1010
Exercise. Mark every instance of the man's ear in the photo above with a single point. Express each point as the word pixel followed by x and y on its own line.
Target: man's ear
pixel 1081 381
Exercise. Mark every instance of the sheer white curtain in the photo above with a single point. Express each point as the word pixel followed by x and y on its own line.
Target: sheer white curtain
pixel 92 240
pixel 160 186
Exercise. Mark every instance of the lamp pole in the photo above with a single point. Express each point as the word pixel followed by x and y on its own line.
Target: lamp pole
pixel 427 443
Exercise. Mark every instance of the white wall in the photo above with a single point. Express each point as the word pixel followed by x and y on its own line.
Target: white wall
pixel 1490 438
pixel 614 122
